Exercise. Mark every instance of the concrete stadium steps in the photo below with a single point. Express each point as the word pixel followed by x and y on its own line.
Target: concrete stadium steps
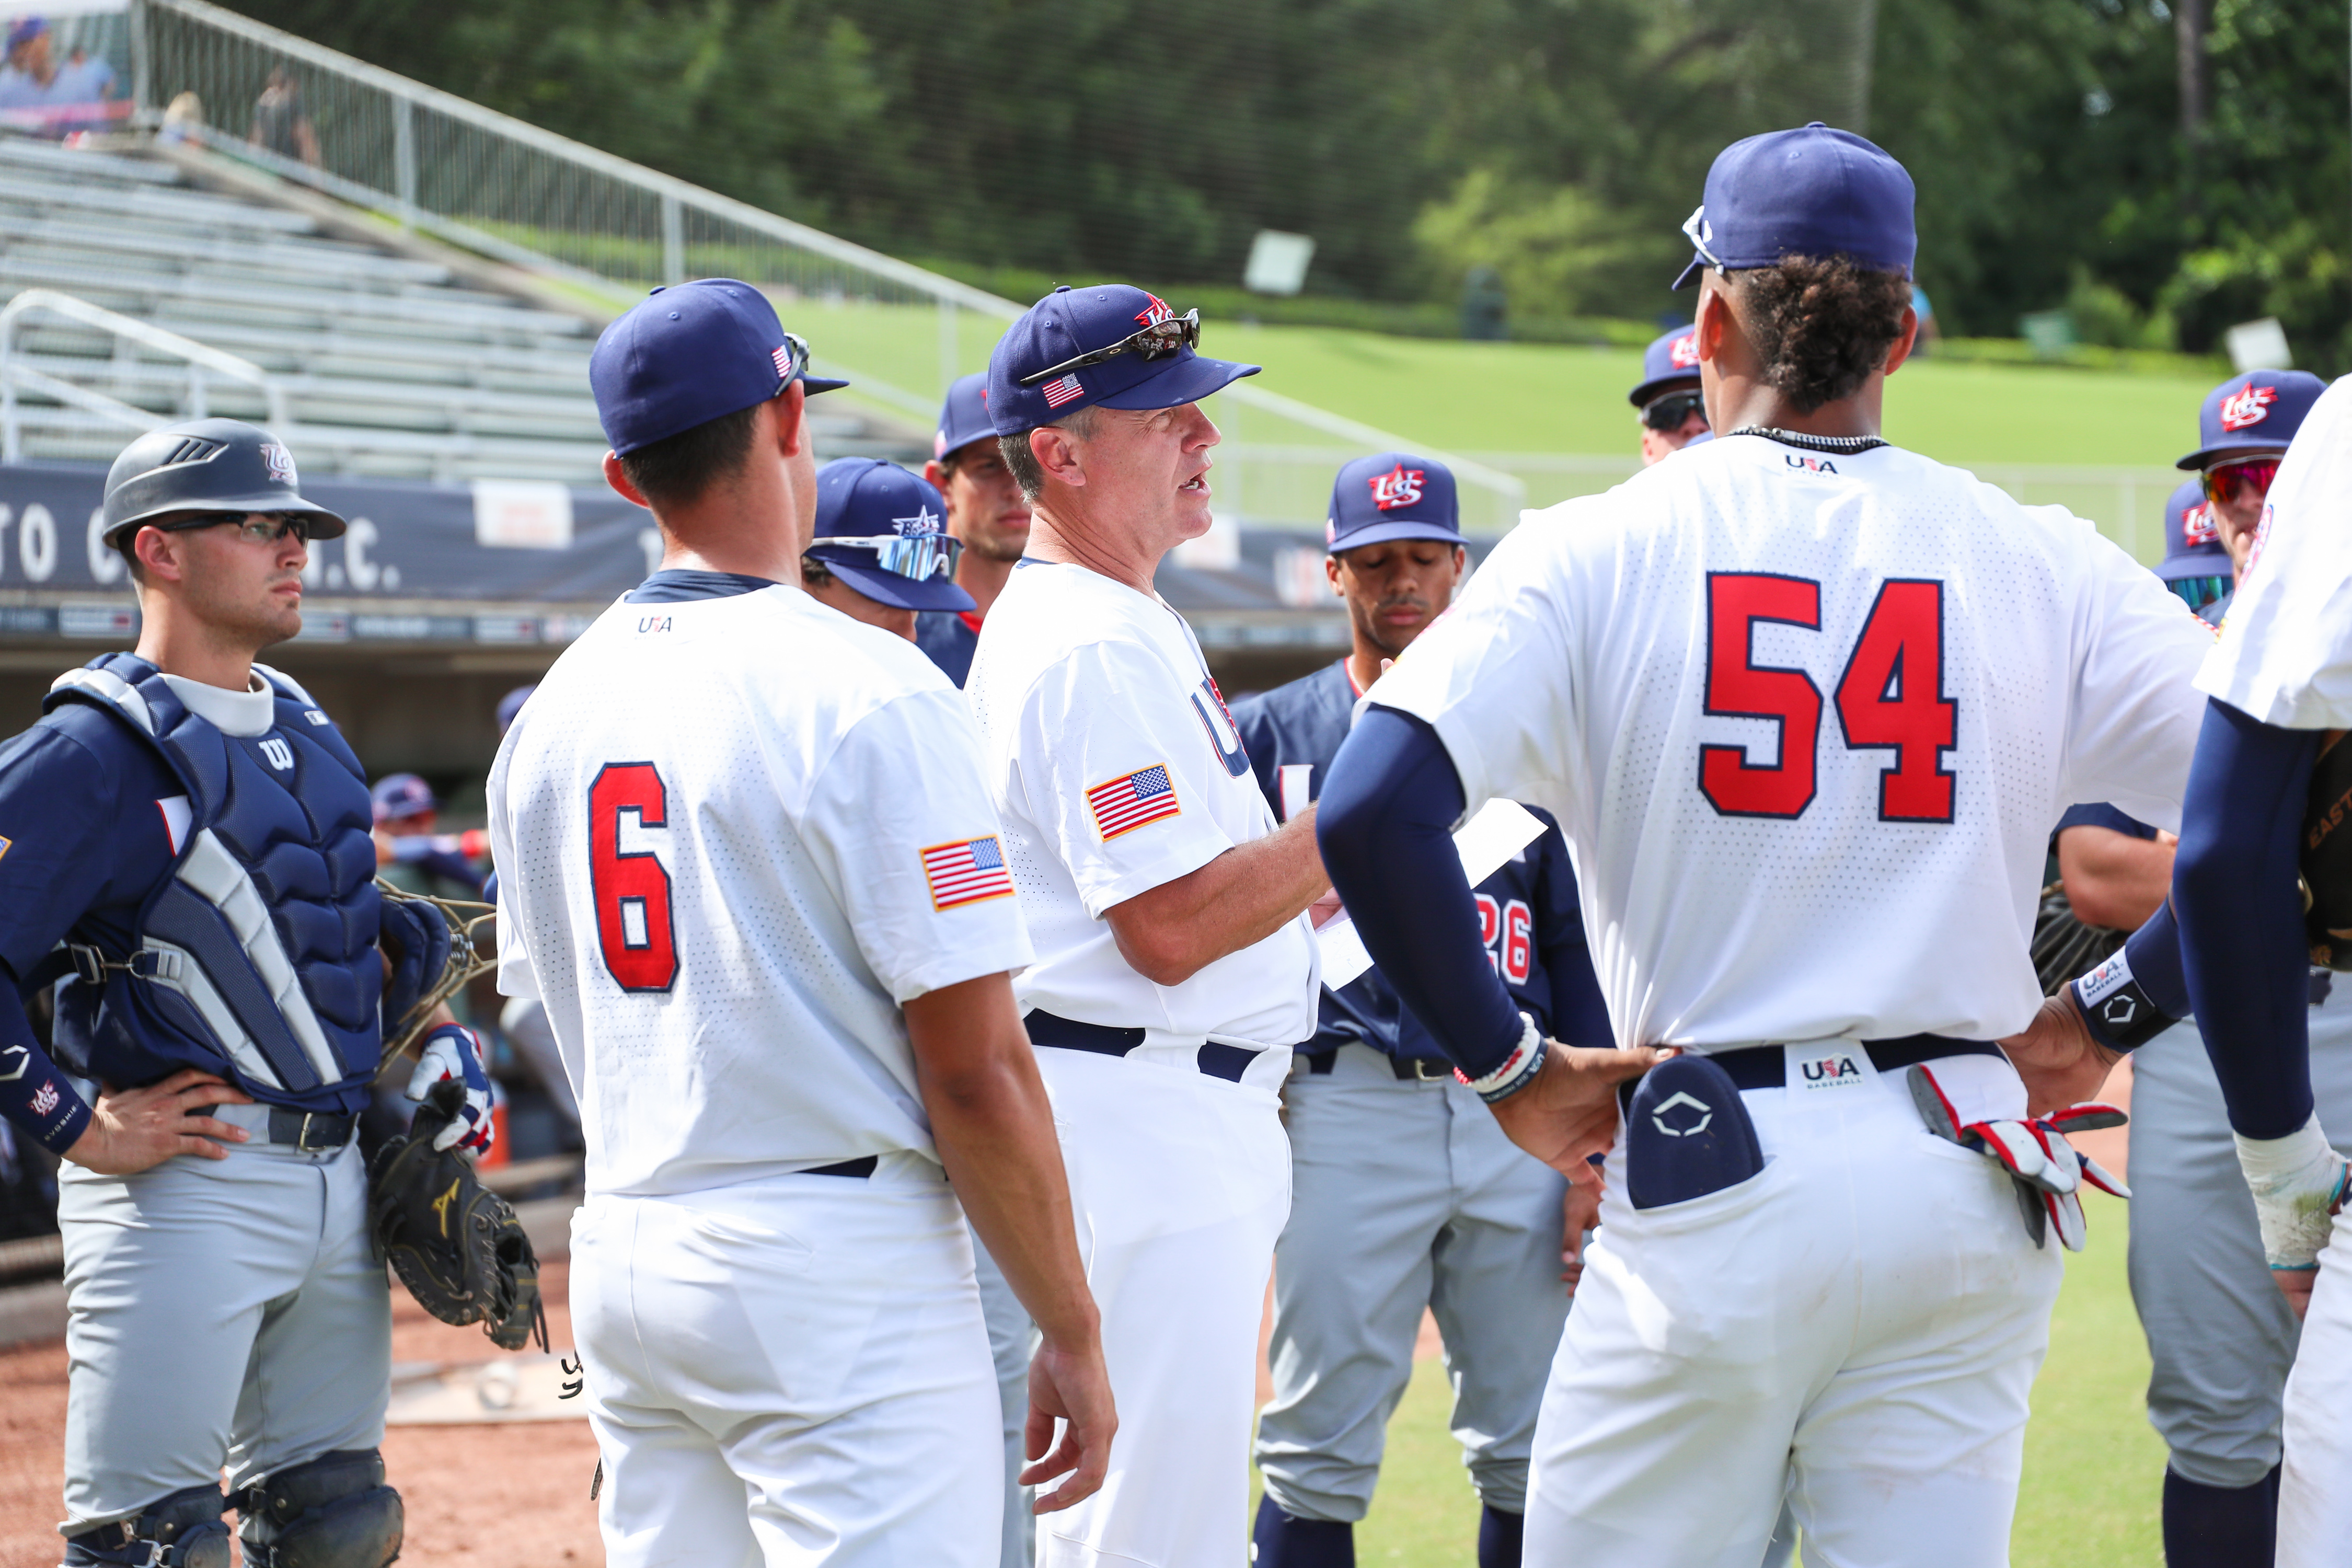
pixel 392 364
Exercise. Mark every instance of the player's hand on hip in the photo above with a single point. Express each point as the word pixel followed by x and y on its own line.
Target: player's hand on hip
pixel 2061 1063
pixel 1068 1385
pixel 1580 1213
pixel 139 1129
pixel 1570 1110
pixel 453 1050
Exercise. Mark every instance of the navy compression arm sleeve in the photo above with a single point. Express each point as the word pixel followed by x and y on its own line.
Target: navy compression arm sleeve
pixel 2234 892
pixel 34 1095
pixel 1384 822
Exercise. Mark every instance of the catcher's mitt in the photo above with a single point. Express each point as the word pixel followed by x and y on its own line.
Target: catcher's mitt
pixel 2326 856
pixel 455 1244
pixel 2064 945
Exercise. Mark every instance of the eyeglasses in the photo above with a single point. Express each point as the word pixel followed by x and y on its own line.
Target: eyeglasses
pixel 1167 337
pixel 2199 591
pixel 1693 227
pixel 922 557
pixel 2248 477
pixel 795 360
pixel 1671 411
pixel 252 527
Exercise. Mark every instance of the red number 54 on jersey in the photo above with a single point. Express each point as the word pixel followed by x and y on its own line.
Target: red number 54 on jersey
pixel 631 886
pixel 1891 696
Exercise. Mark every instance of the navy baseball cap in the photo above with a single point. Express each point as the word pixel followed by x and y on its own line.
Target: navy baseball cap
pixel 1669 362
pixel 1807 192
pixel 1391 496
pixel 1070 323
pixel 2257 412
pixel 963 417
pixel 2192 544
pixel 25 30
pixel 685 356
pixel 865 497
pixel 401 794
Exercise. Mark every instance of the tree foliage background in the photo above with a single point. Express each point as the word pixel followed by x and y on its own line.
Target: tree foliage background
pixel 1559 142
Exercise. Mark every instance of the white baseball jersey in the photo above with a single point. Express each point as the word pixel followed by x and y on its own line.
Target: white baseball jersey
pixel 1116 768
pixel 1806 721
pixel 734 836
pixel 2285 653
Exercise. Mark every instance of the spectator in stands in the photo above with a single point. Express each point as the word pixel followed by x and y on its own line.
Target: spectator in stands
pixel 54 100
pixel 280 124
pixel 881 553
pixel 986 511
pixel 181 118
pixel 409 853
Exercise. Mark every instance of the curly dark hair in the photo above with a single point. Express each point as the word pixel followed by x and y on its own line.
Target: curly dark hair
pixel 1820 325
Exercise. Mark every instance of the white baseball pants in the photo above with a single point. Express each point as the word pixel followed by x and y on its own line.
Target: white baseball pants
pixel 2314 1515
pixel 1180 1183
pixel 790 1372
pixel 1853 1332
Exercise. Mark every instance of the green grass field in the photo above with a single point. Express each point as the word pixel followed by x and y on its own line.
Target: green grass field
pixel 2092 1467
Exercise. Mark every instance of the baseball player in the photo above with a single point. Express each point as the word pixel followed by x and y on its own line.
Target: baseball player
pixel 185 833
pixel 749 866
pixel 1674 414
pixel 413 855
pixel 2196 566
pixel 881 557
pixel 2231 947
pixel 986 511
pixel 1176 968
pixel 1805 705
pixel 1405 1194
pixel 882 553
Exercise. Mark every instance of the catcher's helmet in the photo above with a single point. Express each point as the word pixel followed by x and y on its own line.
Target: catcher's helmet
pixel 205 465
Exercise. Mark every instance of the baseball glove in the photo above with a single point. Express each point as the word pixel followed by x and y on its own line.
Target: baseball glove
pixel 2064 945
pixel 455 1244
pixel 2326 856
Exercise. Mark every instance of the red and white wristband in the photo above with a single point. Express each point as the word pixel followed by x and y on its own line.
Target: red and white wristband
pixel 1519 1068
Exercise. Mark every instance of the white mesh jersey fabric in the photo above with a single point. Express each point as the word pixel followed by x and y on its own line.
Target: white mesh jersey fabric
pixel 805 763
pixel 1734 895
pixel 1080 682
pixel 2285 653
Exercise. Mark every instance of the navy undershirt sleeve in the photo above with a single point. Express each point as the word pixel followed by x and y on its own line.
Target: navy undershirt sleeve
pixel 2235 894
pixel 1384 825
pixel 2153 953
pixel 36 1099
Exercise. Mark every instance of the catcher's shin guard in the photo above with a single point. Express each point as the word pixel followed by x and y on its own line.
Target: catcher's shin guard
pixel 1687 1134
pixel 182 1531
pixel 333 1511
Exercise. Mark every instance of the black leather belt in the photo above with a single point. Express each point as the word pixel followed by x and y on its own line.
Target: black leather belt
pixel 1217 1060
pixel 1407 1069
pixel 311 1131
pixel 857 1169
pixel 1767 1067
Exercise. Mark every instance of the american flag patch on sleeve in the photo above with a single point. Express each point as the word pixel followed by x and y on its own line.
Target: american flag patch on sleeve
pixel 1131 800
pixel 969 871
pixel 1065 390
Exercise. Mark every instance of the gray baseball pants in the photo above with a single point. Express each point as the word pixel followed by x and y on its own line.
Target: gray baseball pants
pixel 1011 1340
pixel 220 1313
pixel 2219 1331
pixel 1405 1194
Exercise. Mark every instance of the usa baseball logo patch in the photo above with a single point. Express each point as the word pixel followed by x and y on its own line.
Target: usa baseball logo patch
pixel 1683 352
pixel 1398 487
pixel 967 871
pixel 1132 800
pixel 280 461
pixel 1062 391
pixel 2247 406
pixel 2196 525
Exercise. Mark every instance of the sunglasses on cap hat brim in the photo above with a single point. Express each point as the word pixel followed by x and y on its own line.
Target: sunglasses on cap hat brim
pixel 1170 336
pixel 919 559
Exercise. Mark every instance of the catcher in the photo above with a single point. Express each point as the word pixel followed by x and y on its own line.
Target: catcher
pixel 183 841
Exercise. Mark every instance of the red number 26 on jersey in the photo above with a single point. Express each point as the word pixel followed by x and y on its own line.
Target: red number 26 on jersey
pixel 1890 697
pixel 631 886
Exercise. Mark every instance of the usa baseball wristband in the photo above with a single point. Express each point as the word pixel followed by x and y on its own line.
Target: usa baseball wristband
pixel 1519 1068
pixel 2116 1008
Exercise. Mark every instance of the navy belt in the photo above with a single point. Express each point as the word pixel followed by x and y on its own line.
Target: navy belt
pixel 857 1169
pixel 1407 1069
pixel 1227 1062
pixel 1767 1067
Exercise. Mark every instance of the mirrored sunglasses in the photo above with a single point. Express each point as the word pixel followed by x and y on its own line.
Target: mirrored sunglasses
pixel 921 558
pixel 1671 411
pixel 1167 337
pixel 2251 477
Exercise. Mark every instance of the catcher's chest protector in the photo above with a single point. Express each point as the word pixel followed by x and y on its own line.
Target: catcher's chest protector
pixel 260 943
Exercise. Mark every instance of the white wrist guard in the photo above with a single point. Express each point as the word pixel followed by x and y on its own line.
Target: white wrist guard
pixel 2297 1180
pixel 1519 1068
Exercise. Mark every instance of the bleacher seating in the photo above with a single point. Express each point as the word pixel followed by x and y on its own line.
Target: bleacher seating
pixel 391 366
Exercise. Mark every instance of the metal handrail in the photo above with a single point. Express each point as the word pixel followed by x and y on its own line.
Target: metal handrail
pixel 397 194
pixel 199 358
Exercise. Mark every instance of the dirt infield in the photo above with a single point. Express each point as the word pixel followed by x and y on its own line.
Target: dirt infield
pixel 508 1496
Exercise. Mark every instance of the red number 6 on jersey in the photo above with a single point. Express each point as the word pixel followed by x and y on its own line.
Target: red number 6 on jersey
pixel 631 888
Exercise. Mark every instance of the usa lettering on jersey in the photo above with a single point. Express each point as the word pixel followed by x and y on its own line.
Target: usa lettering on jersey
pixel 966 872
pixel 1130 801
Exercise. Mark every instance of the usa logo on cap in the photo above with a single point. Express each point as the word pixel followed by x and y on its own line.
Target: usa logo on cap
pixel 1151 315
pixel 2196 525
pixel 1398 487
pixel 2247 406
pixel 280 461
pixel 1684 350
